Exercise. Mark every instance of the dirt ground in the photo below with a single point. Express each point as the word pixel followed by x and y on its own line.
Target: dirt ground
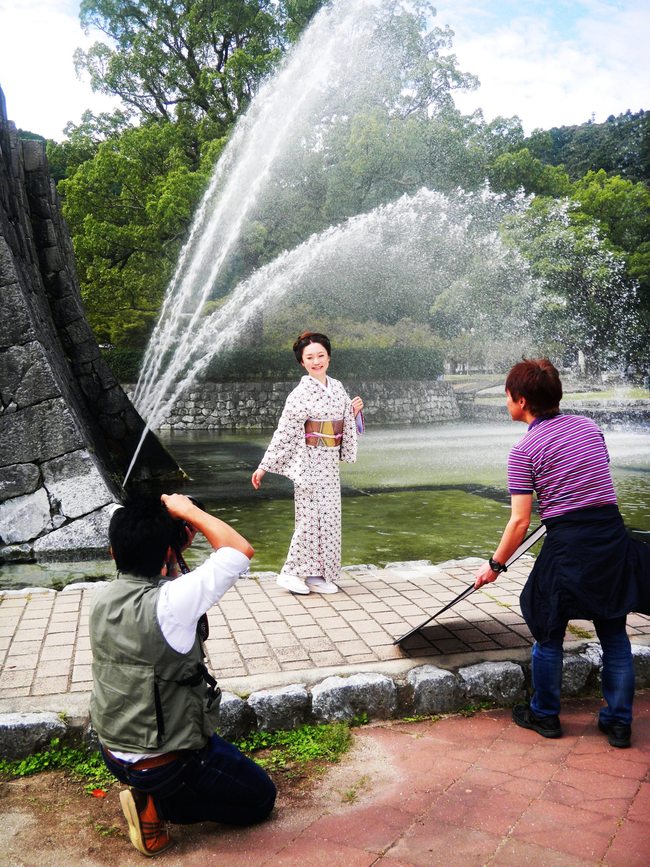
pixel 49 820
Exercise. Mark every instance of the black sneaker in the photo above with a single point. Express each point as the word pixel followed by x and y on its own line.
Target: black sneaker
pixel 618 734
pixel 546 726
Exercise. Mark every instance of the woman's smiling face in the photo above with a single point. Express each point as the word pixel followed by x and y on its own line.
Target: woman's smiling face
pixel 315 360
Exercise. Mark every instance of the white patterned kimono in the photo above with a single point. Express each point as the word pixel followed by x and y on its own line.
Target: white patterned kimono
pixel 315 548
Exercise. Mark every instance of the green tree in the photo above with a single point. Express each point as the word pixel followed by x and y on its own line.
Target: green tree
pixel 385 127
pixel 620 145
pixel 587 302
pixel 128 209
pixel 184 71
pixel 511 171
pixel 82 141
pixel 198 59
pixel 621 207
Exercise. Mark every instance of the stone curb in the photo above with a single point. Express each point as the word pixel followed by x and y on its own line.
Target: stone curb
pixel 426 690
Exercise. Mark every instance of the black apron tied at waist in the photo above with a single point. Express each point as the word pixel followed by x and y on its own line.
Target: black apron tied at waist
pixel 589 568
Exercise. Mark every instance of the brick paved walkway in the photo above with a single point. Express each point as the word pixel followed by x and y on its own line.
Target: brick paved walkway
pixel 262 636
pixel 455 792
pixel 464 793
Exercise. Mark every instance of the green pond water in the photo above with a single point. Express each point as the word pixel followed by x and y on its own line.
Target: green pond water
pixel 434 492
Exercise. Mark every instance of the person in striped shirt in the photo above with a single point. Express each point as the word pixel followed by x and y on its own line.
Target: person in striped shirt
pixel 589 568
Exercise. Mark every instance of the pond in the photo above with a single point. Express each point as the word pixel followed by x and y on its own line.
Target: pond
pixel 434 492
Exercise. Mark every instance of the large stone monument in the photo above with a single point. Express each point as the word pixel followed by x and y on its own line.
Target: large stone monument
pixel 67 430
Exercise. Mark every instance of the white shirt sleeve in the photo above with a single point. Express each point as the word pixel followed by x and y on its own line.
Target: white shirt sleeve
pixel 182 601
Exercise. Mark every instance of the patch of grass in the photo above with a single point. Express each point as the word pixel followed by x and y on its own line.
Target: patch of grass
pixel 351 795
pixel 498 601
pixel 107 830
pixel 299 746
pixel 579 632
pixel 421 717
pixel 471 709
pixel 83 763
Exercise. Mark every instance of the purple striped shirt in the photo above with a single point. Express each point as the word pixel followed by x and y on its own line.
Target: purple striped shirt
pixel 564 460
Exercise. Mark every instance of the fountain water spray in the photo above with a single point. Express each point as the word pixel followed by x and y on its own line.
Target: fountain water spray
pixel 446 248
pixel 282 105
pixel 341 41
pixel 425 235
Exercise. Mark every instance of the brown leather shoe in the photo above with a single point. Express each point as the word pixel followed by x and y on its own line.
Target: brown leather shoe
pixel 147 831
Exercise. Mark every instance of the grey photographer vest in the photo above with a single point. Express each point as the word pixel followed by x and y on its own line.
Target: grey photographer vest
pixel 146 696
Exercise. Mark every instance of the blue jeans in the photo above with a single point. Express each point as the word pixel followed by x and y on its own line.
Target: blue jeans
pixel 214 784
pixel 617 675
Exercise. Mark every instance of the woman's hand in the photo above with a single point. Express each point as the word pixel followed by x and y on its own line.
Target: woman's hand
pixel 484 575
pixel 357 405
pixel 257 477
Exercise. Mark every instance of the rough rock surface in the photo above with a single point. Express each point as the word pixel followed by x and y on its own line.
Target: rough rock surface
pixel 67 430
pixel 343 698
pixel 285 707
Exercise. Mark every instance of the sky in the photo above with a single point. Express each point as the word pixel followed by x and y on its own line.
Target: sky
pixel 552 63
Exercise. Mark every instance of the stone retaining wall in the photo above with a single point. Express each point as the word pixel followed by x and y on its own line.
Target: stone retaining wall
pixel 67 430
pixel 257 405
pixel 426 690
pixel 625 412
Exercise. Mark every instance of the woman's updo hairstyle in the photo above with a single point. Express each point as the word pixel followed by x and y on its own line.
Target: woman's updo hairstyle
pixel 307 338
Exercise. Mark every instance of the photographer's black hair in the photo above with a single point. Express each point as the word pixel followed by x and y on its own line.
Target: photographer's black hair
pixel 140 534
pixel 182 540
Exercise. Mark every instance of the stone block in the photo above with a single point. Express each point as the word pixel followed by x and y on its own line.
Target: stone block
pixel 38 433
pixel 86 536
pixel 17 480
pixel 76 484
pixel 25 375
pixel 51 259
pixel 282 708
pixel 434 690
pixel 33 155
pixel 498 682
pixel 575 673
pixel 593 652
pixel 338 699
pixel 16 554
pixel 16 321
pixel 25 518
pixel 236 718
pixel 641 658
pixel 45 234
pixel 22 734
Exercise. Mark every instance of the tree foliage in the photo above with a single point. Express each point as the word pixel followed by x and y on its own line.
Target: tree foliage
pixel 586 303
pixel 128 210
pixel 187 59
pixel 619 146
pixel 185 70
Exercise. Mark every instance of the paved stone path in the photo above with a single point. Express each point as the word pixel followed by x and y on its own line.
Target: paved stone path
pixel 455 792
pixel 261 636
pixel 458 793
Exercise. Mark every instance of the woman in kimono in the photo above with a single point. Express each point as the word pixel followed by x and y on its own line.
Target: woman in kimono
pixel 317 430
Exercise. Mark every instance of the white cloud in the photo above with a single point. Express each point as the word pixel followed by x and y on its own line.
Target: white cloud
pixel 37 73
pixel 558 65
pixel 552 62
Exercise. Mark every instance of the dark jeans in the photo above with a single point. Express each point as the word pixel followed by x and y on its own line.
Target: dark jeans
pixel 617 675
pixel 214 784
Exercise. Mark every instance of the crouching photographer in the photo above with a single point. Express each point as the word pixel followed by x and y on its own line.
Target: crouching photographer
pixel 154 704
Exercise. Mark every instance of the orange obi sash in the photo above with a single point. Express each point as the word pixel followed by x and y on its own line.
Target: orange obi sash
pixel 326 432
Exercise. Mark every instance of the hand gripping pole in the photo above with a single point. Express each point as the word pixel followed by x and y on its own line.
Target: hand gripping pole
pixel 528 542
